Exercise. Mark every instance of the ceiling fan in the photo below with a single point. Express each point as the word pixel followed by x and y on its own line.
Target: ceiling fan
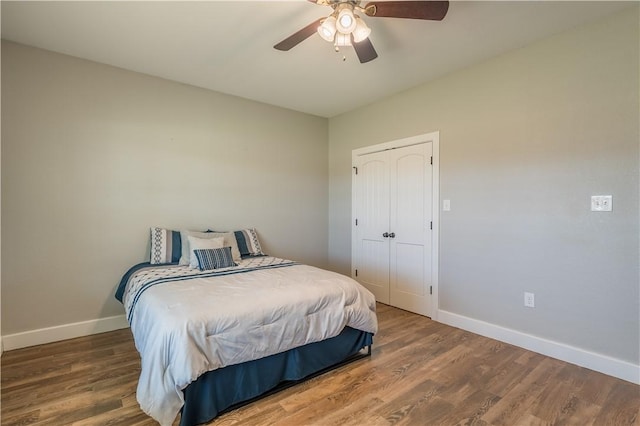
pixel 345 28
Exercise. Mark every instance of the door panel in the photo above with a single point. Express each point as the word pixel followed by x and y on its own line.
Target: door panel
pixel 373 274
pixel 408 269
pixel 372 212
pixel 408 204
pixel 410 219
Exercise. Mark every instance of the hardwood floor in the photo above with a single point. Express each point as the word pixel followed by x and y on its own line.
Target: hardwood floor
pixel 420 373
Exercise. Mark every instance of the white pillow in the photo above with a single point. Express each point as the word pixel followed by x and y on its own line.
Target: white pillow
pixel 202 244
pixel 229 240
pixel 185 257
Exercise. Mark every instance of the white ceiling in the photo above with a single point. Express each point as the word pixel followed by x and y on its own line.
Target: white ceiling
pixel 227 46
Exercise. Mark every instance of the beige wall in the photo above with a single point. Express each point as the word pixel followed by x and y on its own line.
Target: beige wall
pixel 525 139
pixel 1 342
pixel 92 156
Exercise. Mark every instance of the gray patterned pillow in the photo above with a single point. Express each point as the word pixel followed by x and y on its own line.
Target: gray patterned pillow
pixel 166 246
pixel 248 242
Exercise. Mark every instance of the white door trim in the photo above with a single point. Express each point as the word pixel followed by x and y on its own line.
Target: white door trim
pixel 434 138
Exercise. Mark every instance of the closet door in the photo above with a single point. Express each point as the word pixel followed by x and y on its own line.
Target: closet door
pixel 392 239
pixel 410 186
pixel 372 207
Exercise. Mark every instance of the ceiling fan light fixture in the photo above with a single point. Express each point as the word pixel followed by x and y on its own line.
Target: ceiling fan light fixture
pixel 361 31
pixel 346 21
pixel 327 29
pixel 342 39
pixel 345 28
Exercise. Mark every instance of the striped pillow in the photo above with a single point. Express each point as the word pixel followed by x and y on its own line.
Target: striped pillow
pixel 166 246
pixel 248 242
pixel 214 258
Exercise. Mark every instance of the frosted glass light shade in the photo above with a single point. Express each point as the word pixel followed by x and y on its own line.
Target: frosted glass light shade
pixel 327 29
pixel 362 31
pixel 346 21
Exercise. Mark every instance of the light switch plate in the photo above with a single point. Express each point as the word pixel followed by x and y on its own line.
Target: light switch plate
pixel 601 203
pixel 446 205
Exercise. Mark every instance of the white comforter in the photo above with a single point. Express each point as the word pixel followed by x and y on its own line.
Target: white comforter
pixel 185 328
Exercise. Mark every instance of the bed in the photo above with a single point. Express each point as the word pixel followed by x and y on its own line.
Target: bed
pixel 210 339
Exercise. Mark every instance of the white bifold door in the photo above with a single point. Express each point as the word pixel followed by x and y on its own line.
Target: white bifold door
pixel 393 228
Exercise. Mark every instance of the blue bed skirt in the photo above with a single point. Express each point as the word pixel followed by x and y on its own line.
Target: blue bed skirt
pixel 219 390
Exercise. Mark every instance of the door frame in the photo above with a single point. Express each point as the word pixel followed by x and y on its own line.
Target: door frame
pixel 434 139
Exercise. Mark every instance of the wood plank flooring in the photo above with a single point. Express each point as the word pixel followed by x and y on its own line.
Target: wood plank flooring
pixel 420 373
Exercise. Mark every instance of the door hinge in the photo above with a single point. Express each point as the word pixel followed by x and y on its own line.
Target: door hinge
pixel 356 169
pixel 430 225
pixel 356 272
pixel 356 222
pixel 432 160
pixel 430 289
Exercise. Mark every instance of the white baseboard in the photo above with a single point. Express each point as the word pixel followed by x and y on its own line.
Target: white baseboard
pixel 63 332
pixel 604 364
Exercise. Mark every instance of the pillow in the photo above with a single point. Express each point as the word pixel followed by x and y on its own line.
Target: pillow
pixel 214 258
pixel 166 246
pixel 248 242
pixel 201 244
pixel 229 240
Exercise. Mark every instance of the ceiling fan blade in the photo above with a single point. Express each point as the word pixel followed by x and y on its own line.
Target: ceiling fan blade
pixel 298 37
pixel 364 50
pixel 431 10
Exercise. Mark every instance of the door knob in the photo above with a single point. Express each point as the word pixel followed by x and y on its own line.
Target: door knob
pixel 392 235
pixel 386 234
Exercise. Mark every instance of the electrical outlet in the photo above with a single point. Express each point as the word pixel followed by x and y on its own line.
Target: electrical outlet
pixel 601 203
pixel 529 300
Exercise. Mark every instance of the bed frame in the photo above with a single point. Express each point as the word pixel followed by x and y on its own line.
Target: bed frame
pixel 231 387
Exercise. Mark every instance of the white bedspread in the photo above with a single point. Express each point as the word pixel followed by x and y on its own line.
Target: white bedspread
pixel 185 328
